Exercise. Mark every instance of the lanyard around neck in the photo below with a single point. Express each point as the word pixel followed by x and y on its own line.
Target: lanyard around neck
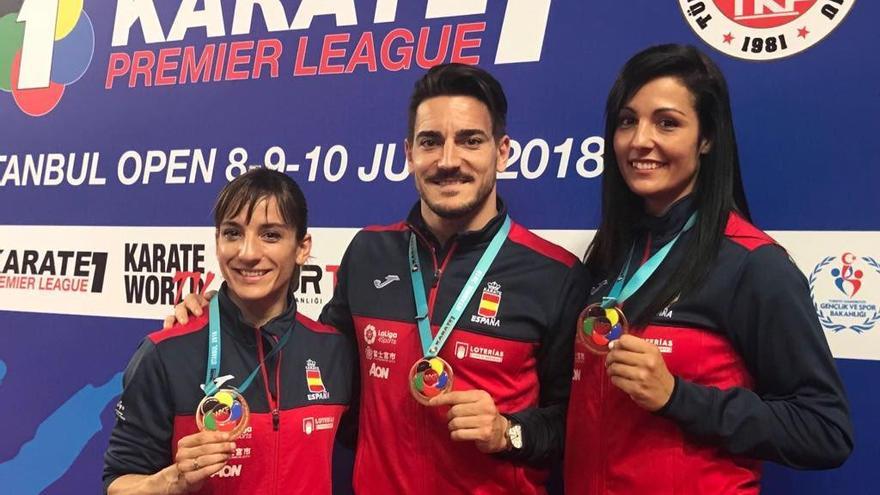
pixel 431 347
pixel 620 292
pixel 214 344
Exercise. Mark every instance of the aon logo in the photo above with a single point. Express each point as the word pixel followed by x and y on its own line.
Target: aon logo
pixel 379 371
pixel 229 471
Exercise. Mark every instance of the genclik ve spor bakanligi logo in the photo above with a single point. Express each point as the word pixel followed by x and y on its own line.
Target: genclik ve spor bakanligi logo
pixel 846 292
pixel 764 29
pixel 45 46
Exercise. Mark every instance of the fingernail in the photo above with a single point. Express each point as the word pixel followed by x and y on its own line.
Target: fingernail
pixel 611 344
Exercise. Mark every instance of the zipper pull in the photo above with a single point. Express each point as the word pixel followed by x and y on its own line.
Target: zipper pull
pixel 436 281
pixel 276 419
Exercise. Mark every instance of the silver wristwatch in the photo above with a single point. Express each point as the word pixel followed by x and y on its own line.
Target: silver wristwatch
pixel 514 435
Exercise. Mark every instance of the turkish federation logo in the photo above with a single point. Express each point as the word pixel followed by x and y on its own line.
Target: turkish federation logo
pixel 763 29
pixel 45 46
pixel 846 292
pixel 314 382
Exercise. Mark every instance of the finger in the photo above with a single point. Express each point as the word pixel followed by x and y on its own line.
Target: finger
pixel 225 448
pixel 629 342
pixel 181 315
pixel 169 322
pixel 202 473
pixel 471 434
pixel 468 422
pixel 624 357
pixel 459 397
pixel 195 302
pixel 481 408
pixel 203 437
pixel 633 373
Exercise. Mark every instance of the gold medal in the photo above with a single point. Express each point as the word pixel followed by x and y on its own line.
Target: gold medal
pixel 428 378
pixel 224 410
pixel 597 326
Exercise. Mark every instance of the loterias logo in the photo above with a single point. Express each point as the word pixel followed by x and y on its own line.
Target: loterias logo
pixel 846 292
pixel 160 273
pixel 52 270
pixel 764 29
pixel 45 46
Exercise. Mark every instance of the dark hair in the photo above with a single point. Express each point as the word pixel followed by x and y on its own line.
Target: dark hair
pixel 257 184
pixel 718 190
pixel 461 80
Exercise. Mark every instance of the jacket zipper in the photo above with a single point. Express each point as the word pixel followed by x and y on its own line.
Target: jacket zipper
pixel 274 401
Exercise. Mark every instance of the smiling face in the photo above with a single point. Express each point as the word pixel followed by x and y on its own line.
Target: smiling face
pixel 258 258
pixel 657 143
pixel 454 158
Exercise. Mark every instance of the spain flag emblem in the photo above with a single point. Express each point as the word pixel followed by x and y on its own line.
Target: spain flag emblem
pixel 313 377
pixel 490 300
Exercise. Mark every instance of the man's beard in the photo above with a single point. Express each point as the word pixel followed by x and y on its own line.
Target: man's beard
pixel 463 210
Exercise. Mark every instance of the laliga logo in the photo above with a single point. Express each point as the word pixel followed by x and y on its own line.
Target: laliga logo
pixel 838 313
pixel 44 46
pixel 763 29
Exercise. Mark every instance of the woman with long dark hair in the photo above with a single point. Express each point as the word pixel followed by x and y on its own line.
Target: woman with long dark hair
pixel 701 354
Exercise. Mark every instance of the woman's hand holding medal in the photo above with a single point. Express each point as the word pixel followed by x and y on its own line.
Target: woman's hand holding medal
pixel 636 367
pixel 198 457
pixel 474 417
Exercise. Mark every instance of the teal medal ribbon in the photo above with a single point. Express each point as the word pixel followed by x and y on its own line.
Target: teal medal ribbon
pixel 601 323
pixel 225 409
pixel 431 375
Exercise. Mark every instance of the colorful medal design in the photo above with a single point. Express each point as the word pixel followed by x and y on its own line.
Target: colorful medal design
pixel 224 410
pixel 430 377
pixel 597 326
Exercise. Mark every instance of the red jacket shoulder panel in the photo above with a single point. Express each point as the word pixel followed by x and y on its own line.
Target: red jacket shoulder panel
pixel 527 238
pixel 740 231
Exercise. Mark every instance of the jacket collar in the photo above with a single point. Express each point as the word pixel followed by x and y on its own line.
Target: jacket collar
pixel 467 238
pixel 665 227
pixel 233 321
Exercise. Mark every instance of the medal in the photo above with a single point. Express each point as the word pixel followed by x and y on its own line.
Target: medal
pixel 598 326
pixel 224 410
pixel 430 377
pixel 600 323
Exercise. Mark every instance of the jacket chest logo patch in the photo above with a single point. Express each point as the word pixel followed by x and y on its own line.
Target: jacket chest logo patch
pixel 463 350
pixel 313 424
pixel 490 301
pixel 665 345
pixel 317 391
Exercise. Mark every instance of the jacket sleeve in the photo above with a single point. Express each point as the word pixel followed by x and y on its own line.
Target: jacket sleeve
pixel 140 442
pixel 797 415
pixel 543 427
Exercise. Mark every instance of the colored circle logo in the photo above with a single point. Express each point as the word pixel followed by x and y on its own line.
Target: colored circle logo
pixel 225 410
pixel 763 29
pixel 598 326
pixel 44 47
pixel 429 378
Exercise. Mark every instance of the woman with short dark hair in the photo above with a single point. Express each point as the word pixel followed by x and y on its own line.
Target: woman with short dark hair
pixel 248 397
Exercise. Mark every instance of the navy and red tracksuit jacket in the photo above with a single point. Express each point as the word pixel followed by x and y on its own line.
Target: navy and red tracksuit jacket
pixel 288 444
pixel 754 378
pixel 513 340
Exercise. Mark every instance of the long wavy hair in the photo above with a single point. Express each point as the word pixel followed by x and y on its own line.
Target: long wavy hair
pixel 718 190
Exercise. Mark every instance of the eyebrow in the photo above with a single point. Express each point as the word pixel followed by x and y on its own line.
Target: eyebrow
pixel 231 223
pixel 459 135
pixel 659 110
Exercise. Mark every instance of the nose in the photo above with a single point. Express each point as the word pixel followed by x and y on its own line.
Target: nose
pixel 249 249
pixel 642 136
pixel 450 158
